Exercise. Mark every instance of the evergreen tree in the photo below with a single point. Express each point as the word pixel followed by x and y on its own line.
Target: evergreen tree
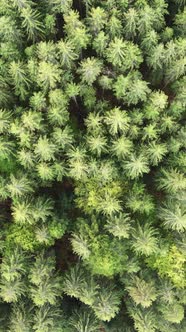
pixel 142 292
pixel 144 240
pixel 107 304
pixel 84 321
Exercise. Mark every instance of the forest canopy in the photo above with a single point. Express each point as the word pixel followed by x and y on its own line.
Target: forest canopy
pixel 92 165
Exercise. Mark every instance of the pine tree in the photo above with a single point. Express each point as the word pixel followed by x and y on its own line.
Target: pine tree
pixel 73 282
pixel 144 240
pixel 44 149
pixel 19 77
pixel 107 304
pixel 26 158
pixel 117 121
pixel 122 147
pixel 43 267
pixel 97 144
pixel 90 70
pixel 97 19
pixel 83 321
pixel 173 313
pixel 47 318
pixel 20 319
pixel 172 180
pixel 32 120
pixel 67 53
pixel 117 52
pixel 156 152
pixel 156 58
pixel 32 23
pixel 131 19
pixel 61 6
pixel 146 19
pixel 144 321
pixel 5 118
pixel 94 122
pixel 43 208
pixel 119 226
pixel 19 185
pixel 48 75
pixel 142 292
pixel 6 149
pixel 109 205
pixel 174 216
pixel 100 43
pixel 47 291
pixel 132 89
pixel 136 166
pixel 80 246
pixel 43 236
pixel 11 290
pixel 13 265
pixel 89 291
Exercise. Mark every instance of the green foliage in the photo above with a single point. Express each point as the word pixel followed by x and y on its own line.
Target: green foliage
pixel 97 144
pixel 44 150
pixel 174 216
pixel 173 313
pixel 131 19
pixel 19 186
pixel 19 77
pixel 43 266
pixel 92 163
pixel 136 166
pixel 108 256
pixel 142 292
pixel 30 212
pixel 11 291
pixel 13 265
pixel 102 254
pixel 156 153
pixel 97 19
pixel 46 285
pixel 5 118
pixel 84 321
pixel 20 320
pixel 103 199
pixel 48 75
pixel 60 6
pixel 31 21
pixel 125 55
pixel 89 291
pixel 46 292
pixel 107 304
pixel 47 318
pixel 89 70
pixel 144 321
pixel 119 226
pixel 122 147
pixel 22 236
pixel 170 264
pixel 131 88
pixel 6 150
pixel 172 180
pixel 144 240
pixel 117 121
pixel 139 200
pixel 73 282
pixel 80 246
pixel 67 53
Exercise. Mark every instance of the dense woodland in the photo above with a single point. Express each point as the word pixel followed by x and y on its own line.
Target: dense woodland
pixel 92 165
